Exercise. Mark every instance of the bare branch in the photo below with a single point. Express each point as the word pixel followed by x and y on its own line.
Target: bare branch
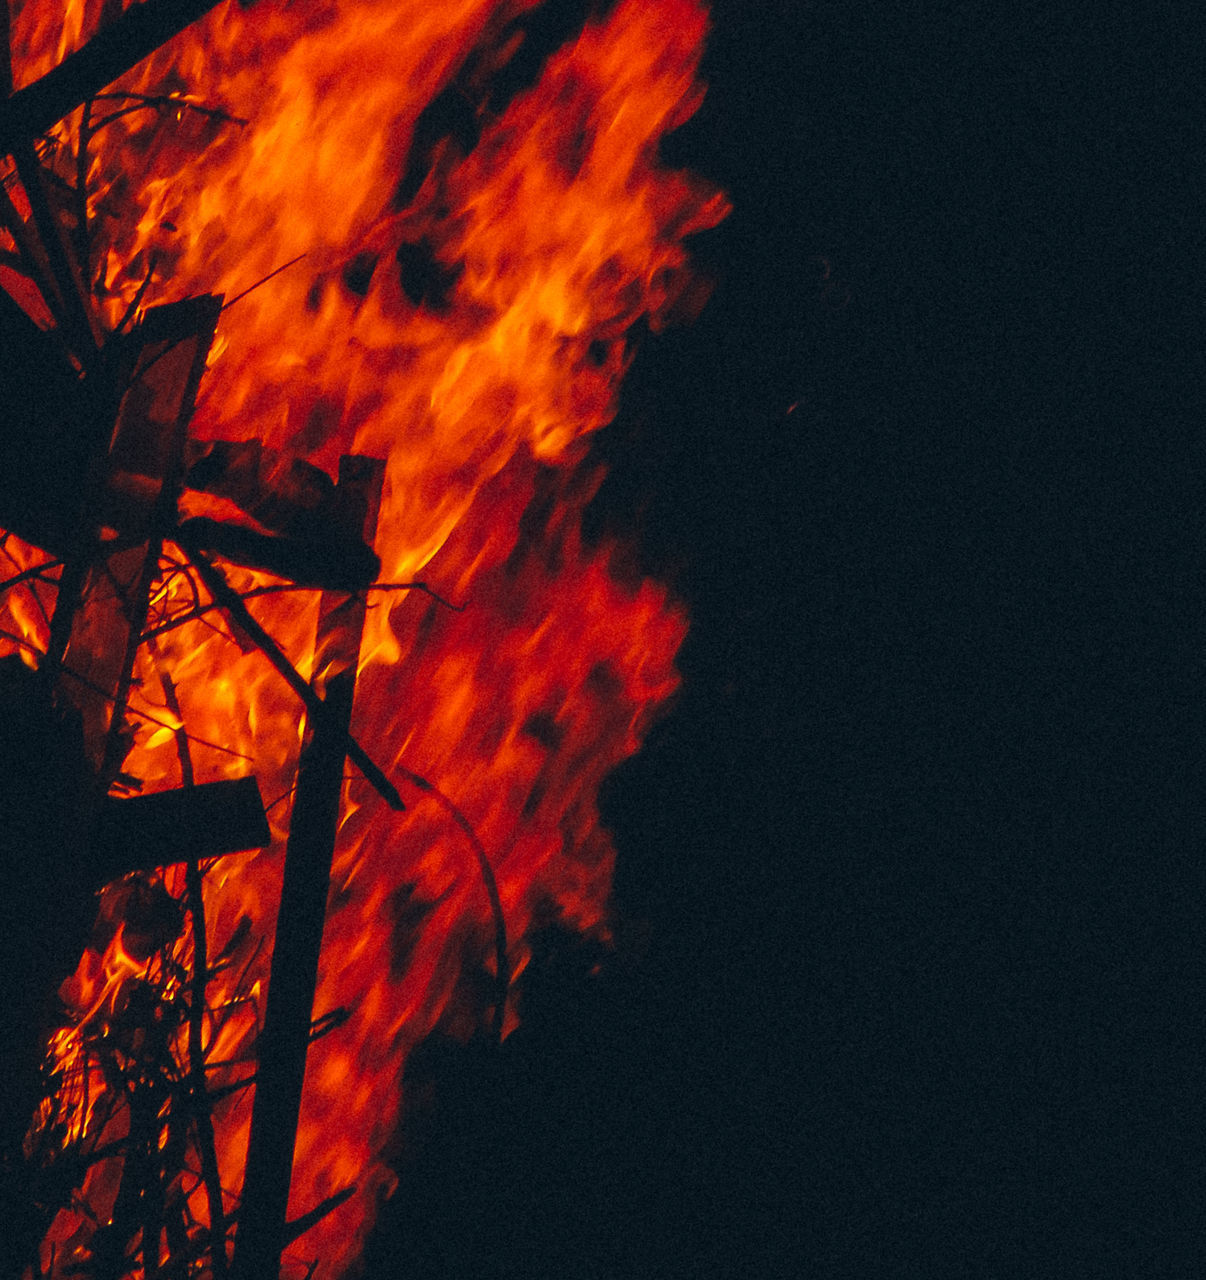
pixel 113 51
pixel 202 1119
pixel 170 102
pixel 232 602
pixel 136 301
pixel 34 571
pixel 278 589
pixel 251 289
pixel 502 964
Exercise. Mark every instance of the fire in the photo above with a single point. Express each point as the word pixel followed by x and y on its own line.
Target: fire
pixel 473 334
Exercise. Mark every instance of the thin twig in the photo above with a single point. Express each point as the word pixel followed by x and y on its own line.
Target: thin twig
pixel 202 1120
pixel 136 301
pixel 35 263
pixel 280 799
pixel 13 638
pixel 237 1002
pixel 170 572
pixel 172 102
pixel 163 724
pixel 192 737
pixel 240 296
pixel 83 246
pixel 34 571
pixel 299 1226
pixel 32 590
pixel 502 965
pixel 75 306
pixel 235 1086
pixel 134 711
pixel 221 590
pixel 276 589
pixel 372 586
pixel 328 1022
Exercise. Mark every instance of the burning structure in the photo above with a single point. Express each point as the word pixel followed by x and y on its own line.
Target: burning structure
pixel 308 314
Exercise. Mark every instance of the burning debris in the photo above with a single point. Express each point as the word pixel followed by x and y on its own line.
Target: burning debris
pixel 216 517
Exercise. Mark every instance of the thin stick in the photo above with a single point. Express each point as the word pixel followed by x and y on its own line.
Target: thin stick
pixel 75 309
pixel 195 613
pixel 136 301
pixel 502 965
pixel 239 296
pixel 232 602
pixel 34 571
pixel 299 1226
pixel 144 100
pixel 202 1120
pixel 21 642
pixel 83 242
pixel 33 258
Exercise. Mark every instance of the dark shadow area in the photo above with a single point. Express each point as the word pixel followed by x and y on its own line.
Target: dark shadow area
pixel 910 884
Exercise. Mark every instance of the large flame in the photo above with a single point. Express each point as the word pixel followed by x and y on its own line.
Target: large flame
pixel 545 241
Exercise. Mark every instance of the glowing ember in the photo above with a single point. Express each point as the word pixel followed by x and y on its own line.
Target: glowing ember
pixel 474 338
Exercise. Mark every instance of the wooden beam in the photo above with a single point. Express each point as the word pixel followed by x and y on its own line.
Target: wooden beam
pixel 115 49
pixel 285 1037
pixel 203 821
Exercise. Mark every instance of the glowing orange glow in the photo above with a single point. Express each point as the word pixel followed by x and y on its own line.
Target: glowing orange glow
pixel 556 233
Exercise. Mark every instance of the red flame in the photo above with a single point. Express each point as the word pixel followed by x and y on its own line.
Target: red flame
pixel 549 239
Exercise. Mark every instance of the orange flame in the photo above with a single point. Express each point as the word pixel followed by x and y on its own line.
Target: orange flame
pixel 551 238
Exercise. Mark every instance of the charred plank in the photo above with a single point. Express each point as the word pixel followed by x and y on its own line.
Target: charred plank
pixel 204 821
pixel 332 563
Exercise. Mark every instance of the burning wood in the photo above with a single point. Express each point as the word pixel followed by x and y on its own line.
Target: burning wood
pixel 114 50
pixel 299 922
pixel 204 821
pixel 549 228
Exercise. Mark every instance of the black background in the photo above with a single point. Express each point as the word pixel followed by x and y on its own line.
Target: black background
pixel 910 884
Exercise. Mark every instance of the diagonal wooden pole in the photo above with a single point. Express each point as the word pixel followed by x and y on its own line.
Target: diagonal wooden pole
pixel 261 1232
pixel 115 49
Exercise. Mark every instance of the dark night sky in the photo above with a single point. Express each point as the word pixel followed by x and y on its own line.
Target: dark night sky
pixel 911 977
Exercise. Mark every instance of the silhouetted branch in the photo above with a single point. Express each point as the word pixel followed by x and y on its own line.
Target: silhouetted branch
pixel 416 586
pixel 199 610
pixel 299 1226
pixel 34 571
pixel 232 602
pixel 13 638
pixel 502 965
pixel 134 711
pixel 161 102
pixel 136 301
pixel 114 50
pixel 37 598
pixel 202 1120
pixel 77 326
pixel 263 280
pixel 33 259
